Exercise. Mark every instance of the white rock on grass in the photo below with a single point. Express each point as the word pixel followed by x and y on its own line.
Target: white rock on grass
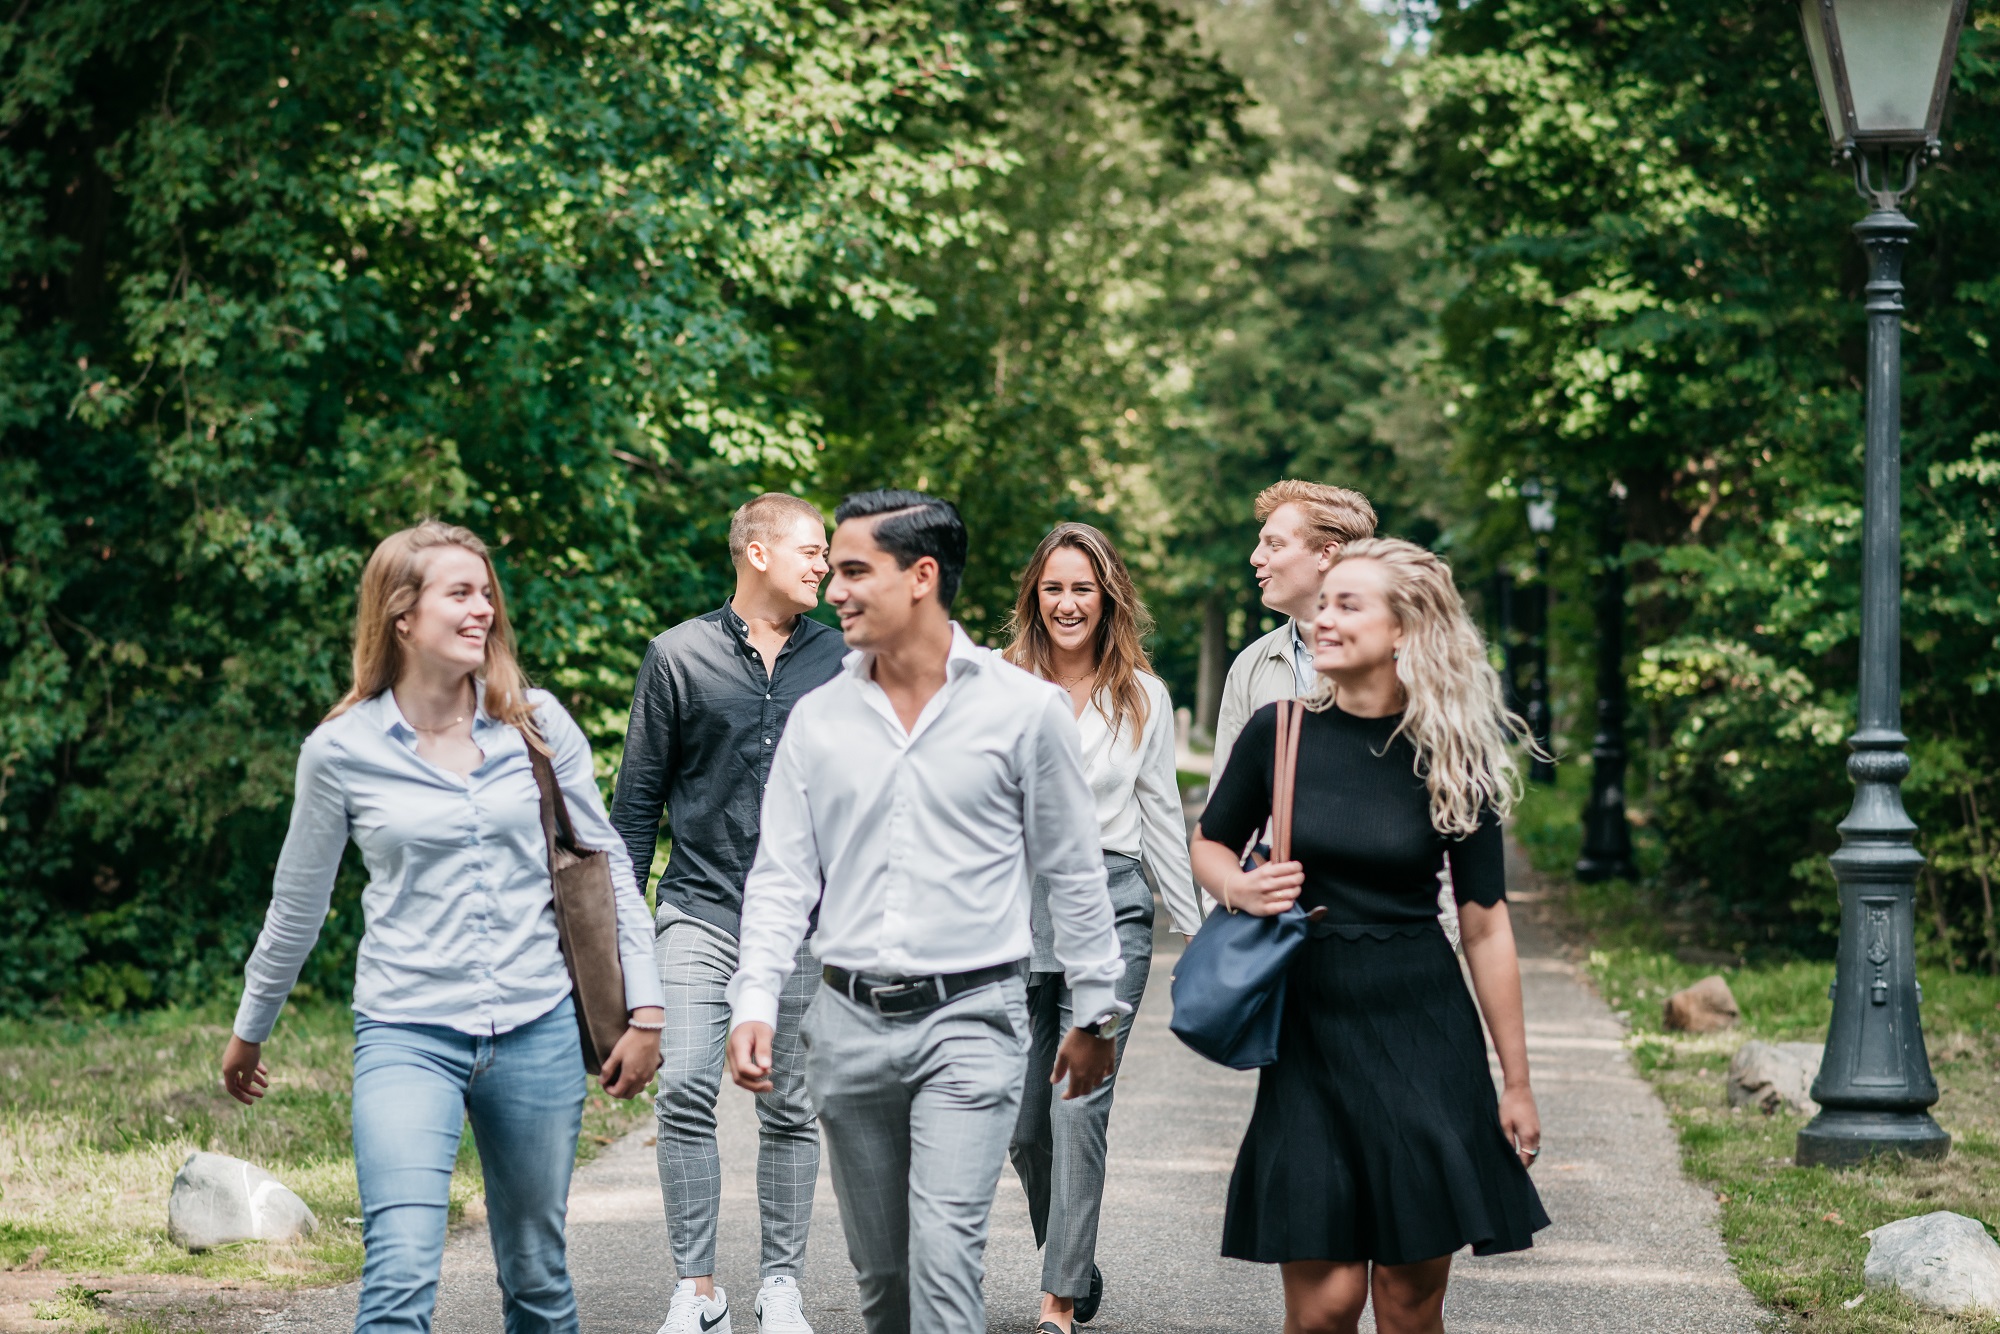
pixel 1770 1075
pixel 218 1200
pixel 1944 1260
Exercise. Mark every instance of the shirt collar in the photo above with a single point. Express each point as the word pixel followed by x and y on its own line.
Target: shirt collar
pixel 736 624
pixel 965 656
pixel 1279 645
pixel 389 714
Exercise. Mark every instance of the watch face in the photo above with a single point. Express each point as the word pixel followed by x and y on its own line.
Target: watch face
pixel 1108 1028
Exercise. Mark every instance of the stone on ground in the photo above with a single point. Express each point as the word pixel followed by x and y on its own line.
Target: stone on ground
pixel 1706 1007
pixel 1770 1075
pixel 1944 1260
pixel 218 1200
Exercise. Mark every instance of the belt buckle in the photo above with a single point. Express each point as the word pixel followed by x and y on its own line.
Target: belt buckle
pixel 901 991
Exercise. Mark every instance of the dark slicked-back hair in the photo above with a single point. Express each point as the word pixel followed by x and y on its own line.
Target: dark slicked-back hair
pixel 913 525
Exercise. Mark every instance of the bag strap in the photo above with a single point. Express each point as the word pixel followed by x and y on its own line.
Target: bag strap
pixel 556 830
pixel 1284 777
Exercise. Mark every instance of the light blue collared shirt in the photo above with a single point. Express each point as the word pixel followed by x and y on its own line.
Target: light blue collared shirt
pixel 459 918
pixel 1303 670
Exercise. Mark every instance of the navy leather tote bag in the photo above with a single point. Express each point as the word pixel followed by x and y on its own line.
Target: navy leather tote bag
pixel 1229 987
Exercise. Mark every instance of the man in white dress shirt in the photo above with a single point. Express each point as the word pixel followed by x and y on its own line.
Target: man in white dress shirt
pixel 921 788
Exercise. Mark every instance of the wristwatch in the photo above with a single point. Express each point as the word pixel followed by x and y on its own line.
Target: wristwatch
pixel 1107 1027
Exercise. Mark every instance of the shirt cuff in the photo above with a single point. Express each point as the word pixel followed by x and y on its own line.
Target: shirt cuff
pixel 753 1006
pixel 642 983
pixel 1092 1001
pixel 255 1018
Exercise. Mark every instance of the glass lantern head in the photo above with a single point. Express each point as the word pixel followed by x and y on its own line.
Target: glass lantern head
pixel 1882 67
pixel 1541 501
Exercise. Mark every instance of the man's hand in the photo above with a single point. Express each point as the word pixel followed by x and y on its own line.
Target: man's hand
pixel 632 1063
pixel 750 1056
pixel 1086 1059
pixel 244 1077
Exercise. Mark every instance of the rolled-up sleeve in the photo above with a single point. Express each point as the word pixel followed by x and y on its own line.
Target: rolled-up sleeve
pixel 1163 842
pixel 576 777
pixel 301 890
pixel 1065 848
pixel 783 885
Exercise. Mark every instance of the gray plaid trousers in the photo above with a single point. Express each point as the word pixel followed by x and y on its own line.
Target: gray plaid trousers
pixel 696 960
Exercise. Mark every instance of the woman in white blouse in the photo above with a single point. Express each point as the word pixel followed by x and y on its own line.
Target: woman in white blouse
pixel 461 998
pixel 1078 622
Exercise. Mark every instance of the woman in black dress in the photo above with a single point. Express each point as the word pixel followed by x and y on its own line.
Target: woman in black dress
pixel 1377 1138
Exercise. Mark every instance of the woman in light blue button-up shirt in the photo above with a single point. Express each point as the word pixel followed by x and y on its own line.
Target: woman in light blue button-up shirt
pixel 461 997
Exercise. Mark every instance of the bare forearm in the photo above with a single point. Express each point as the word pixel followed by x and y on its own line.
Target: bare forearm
pixel 1214 867
pixel 1490 955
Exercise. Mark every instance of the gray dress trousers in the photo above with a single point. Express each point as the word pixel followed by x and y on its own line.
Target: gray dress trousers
pixel 1059 1144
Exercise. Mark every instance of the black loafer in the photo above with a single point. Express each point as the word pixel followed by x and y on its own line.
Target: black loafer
pixel 1086 1307
pixel 1050 1327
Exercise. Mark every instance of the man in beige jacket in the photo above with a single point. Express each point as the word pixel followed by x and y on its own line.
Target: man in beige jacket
pixel 1304 524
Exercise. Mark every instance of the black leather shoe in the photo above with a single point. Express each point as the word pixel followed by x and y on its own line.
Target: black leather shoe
pixel 1050 1327
pixel 1086 1307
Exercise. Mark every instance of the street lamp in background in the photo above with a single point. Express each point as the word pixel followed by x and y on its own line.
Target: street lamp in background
pixel 1607 834
pixel 1541 502
pixel 1882 67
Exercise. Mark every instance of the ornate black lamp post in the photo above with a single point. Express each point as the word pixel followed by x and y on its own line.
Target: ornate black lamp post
pixel 1607 836
pixel 1541 501
pixel 1882 67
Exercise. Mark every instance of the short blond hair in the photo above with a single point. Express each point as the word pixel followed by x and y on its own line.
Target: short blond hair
pixel 1332 513
pixel 765 520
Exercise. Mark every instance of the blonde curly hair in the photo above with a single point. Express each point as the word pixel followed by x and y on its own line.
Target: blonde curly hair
pixel 1456 716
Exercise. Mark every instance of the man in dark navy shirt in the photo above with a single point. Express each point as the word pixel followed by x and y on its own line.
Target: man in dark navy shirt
pixel 710 703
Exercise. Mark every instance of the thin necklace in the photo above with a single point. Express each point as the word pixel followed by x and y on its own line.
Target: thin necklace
pixel 1071 684
pixel 441 727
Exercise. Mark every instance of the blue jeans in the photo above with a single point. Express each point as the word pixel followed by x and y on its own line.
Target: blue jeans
pixel 414 1086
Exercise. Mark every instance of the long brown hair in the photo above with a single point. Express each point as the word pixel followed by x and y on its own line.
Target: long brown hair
pixel 1121 633
pixel 390 586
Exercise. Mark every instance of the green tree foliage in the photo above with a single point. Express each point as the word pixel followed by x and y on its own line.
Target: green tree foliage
pixel 1306 306
pixel 1662 292
pixel 1035 389
pixel 283 278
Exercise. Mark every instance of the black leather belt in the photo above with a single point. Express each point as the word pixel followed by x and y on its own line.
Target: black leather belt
pixel 891 996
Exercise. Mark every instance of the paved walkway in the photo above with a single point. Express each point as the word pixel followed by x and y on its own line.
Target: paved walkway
pixel 1633 1248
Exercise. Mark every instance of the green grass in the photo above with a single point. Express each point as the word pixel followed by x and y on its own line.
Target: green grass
pixel 1794 1233
pixel 96 1117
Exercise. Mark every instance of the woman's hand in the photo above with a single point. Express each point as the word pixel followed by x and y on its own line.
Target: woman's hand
pixel 244 1077
pixel 1268 890
pixel 634 1061
pixel 1522 1123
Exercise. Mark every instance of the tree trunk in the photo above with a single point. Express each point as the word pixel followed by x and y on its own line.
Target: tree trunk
pixel 1212 667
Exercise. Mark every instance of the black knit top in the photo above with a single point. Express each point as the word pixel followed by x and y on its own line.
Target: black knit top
pixel 1361 822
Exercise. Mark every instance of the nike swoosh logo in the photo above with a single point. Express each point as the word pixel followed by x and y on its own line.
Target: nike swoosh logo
pixel 708 1324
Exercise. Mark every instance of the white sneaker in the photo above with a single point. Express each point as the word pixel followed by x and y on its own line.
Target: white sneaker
pixel 778 1309
pixel 691 1313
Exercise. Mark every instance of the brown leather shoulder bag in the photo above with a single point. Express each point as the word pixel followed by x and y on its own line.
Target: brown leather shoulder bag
pixel 586 921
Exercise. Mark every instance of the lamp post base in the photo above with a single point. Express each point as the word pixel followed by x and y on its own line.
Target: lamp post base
pixel 1845 1137
pixel 1596 870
